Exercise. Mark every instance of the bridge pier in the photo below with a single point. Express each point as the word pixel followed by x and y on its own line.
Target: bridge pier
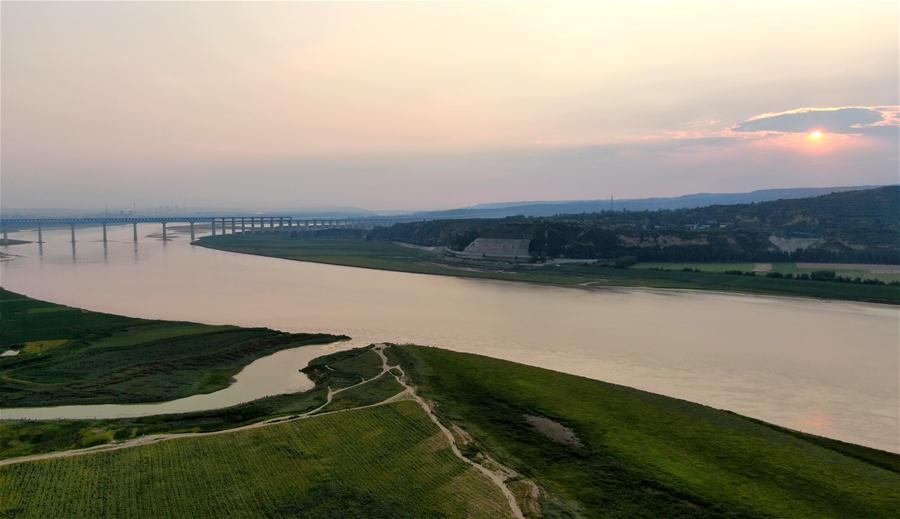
pixel 257 224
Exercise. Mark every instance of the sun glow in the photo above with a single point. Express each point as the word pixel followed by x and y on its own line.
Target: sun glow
pixel 815 136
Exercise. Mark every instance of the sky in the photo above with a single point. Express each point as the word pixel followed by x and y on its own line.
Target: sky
pixel 407 106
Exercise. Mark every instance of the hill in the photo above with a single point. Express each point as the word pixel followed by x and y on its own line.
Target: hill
pixel 852 226
pixel 555 207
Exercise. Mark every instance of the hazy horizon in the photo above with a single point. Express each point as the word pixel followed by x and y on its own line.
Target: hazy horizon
pixel 440 105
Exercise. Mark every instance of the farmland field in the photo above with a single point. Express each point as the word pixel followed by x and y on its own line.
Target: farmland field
pixel 389 461
pixel 72 356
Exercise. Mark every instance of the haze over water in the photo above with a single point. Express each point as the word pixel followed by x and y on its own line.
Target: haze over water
pixel 829 368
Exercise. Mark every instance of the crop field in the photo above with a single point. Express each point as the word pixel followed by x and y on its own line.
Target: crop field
pixel 383 462
pixel 71 356
pixel 644 455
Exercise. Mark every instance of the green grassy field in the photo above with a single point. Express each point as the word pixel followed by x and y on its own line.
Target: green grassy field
pixel 705 267
pixel 357 252
pixel 784 268
pixel 72 356
pixel 369 393
pixel 646 455
pixel 383 462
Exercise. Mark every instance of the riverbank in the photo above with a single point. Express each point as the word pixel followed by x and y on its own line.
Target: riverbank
pixel 383 255
pixel 58 355
pixel 9 242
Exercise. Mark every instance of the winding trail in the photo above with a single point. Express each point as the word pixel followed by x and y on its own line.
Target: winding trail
pixel 499 477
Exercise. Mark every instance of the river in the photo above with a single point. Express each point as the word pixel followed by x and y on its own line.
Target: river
pixel 825 367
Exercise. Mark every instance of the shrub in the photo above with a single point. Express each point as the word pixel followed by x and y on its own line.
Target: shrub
pixel 624 262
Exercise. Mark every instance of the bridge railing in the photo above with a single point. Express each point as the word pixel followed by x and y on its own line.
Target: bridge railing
pixel 221 223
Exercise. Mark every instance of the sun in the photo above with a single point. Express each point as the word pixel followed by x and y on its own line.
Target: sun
pixel 815 136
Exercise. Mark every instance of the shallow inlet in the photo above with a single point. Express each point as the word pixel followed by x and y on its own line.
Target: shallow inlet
pixel 829 368
pixel 275 374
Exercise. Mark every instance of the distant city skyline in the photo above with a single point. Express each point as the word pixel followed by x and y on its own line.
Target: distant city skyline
pixel 440 105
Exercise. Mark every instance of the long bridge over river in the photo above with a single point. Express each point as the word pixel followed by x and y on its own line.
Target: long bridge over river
pixel 221 224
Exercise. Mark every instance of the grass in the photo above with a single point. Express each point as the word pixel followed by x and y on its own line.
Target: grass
pixel 71 356
pixel 39 347
pixel 366 364
pixel 371 392
pixel 784 268
pixel 705 267
pixel 647 455
pixel 357 252
pixel 25 437
pixel 389 461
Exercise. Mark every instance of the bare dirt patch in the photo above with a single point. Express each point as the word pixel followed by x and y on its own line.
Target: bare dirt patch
pixel 503 248
pixel 554 430
pixel 793 244
pixel 762 267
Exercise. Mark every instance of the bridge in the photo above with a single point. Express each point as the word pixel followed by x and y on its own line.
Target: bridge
pixel 222 224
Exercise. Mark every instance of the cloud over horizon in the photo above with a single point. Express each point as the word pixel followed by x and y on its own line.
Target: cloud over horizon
pixel 849 119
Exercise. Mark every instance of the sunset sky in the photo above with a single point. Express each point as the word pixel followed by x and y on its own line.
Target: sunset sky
pixel 434 105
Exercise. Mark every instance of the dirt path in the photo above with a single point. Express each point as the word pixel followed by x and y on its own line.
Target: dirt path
pixel 498 477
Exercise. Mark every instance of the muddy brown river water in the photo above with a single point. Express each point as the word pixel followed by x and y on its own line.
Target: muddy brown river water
pixel 830 368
